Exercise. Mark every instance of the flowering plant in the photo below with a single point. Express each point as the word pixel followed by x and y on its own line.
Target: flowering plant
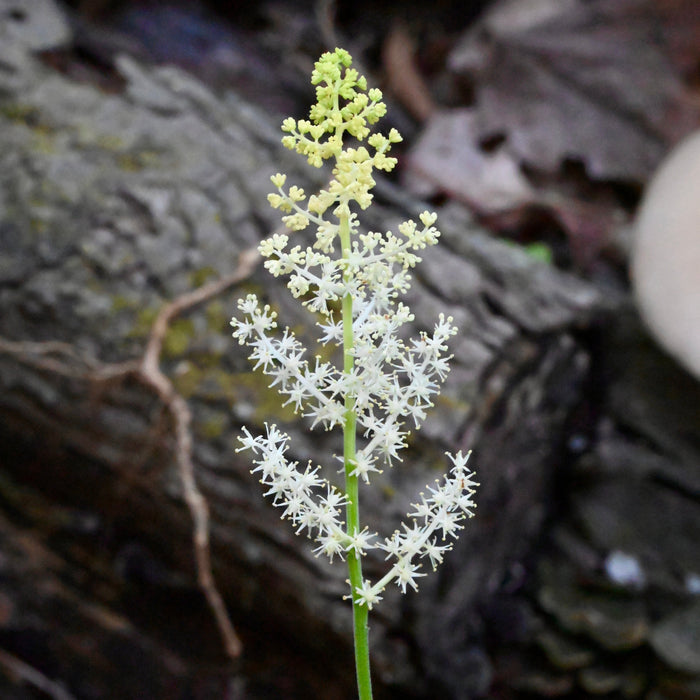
pixel 384 382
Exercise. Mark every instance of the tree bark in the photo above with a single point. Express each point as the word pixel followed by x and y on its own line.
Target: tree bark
pixel 114 206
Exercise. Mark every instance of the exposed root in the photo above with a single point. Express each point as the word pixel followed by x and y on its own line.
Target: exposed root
pixel 32 676
pixel 62 359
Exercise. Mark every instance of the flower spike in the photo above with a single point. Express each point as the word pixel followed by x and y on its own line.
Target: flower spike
pixel 352 280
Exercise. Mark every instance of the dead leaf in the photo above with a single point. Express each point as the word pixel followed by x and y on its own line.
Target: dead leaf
pixel 679 25
pixel 587 81
pixel 447 159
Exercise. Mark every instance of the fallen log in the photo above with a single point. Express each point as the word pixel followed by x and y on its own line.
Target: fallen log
pixel 127 221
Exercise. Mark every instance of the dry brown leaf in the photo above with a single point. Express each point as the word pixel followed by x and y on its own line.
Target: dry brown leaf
pixel 679 26
pixel 588 81
pixel 447 159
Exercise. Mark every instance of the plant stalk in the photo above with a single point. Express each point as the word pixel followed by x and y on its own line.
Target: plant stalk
pixel 360 612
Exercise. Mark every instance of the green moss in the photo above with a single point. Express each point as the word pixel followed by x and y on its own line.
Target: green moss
pixel 127 162
pixel 214 384
pixel 249 387
pixel 206 360
pixel 202 275
pixel 269 402
pixel 540 251
pixel 214 426
pixel 388 491
pixel 188 379
pixel 136 161
pixel 30 117
pixel 43 141
pixel 121 303
pixel 217 317
pixel 178 337
pixel 222 385
pixel 452 404
pixel 109 142
pixel 144 322
pixel 38 226
pixel 19 113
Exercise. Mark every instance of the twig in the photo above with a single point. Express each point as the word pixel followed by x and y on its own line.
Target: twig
pixel 325 17
pixel 40 355
pixel 147 371
pixel 403 77
pixel 151 374
pixel 33 676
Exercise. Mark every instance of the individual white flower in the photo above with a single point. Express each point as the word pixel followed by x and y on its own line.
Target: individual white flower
pixel 366 595
pixel 435 552
pixel 406 573
pixel 359 542
pixel 363 465
pixel 330 544
pixel 332 332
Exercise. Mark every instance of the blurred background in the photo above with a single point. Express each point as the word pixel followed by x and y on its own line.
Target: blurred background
pixel 137 141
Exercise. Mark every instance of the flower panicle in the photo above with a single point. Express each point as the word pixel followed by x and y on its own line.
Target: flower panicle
pixel 352 280
pixel 308 500
pixel 436 518
pixel 314 506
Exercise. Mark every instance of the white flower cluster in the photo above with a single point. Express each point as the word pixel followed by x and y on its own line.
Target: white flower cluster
pixel 313 504
pixel 384 381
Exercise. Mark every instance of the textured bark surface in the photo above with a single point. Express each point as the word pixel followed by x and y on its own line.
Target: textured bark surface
pixel 113 205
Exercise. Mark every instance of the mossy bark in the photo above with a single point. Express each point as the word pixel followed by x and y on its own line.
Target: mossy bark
pixel 114 204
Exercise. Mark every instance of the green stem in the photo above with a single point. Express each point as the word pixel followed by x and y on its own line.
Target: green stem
pixel 360 612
